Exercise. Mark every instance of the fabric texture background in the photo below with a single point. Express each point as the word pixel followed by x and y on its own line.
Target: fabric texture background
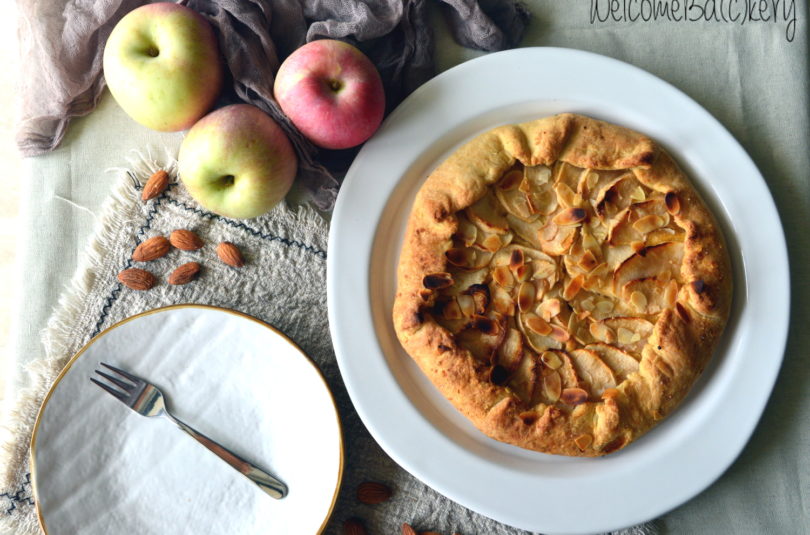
pixel 282 283
pixel 63 51
pixel 749 75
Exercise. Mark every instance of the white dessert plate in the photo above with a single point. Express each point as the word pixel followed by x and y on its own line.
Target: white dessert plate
pixel 100 468
pixel 420 430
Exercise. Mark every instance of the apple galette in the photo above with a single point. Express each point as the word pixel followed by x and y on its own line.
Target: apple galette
pixel 562 284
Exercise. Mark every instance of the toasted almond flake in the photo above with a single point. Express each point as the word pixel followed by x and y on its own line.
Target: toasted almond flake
pixel 549 309
pixel 604 306
pixel 673 203
pixel 542 269
pixel 538 325
pixel 588 304
pixel 635 338
pixel 425 294
pixel 648 223
pixel 671 293
pixel 588 261
pixel 511 180
pixel 560 334
pixel 502 302
pixel 638 194
pixel 565 195
pixel 525 186
pixel 639 301
pixel 602 332
pixel 451 310
pixel 552 387
pixel 466 304
pixel 573 396
pixel 583 441
pixel 502 275
pixel 437 281
pixel 526 295
pixel 573 287
pixel 523 273
pixel 516 259
pixel 485 325
pixel 625 336
pixel 570 216
pixel 492 243
pixel 551 359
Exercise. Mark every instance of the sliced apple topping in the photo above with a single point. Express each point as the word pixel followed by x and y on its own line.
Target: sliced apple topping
pixel 466 232
pixel 649 262
pixel 555 240
pixel 510 352
pixel 525 379
pixel 622 364
pixel 555 279
pixel 502 301
pixel 538 342
pixel 551 386
pixel 487 215
pixel 593 371
pixel 631 333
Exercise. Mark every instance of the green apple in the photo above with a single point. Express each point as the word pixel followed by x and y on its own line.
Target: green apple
pixel 237 162
pixel 162 65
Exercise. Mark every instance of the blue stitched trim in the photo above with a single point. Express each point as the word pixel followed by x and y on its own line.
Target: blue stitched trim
pixel 18 497
pixel 269 237
pixel 156 202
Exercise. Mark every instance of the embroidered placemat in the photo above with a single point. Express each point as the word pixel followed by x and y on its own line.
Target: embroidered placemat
pixel 283 283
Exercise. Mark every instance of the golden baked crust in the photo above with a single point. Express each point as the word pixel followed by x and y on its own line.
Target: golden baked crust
pixel 562 284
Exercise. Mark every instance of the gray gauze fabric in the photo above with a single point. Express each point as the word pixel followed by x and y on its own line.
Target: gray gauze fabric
pixel 62 52
pixel 282 283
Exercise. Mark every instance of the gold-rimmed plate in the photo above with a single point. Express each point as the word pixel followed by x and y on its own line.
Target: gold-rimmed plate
pixel 98 467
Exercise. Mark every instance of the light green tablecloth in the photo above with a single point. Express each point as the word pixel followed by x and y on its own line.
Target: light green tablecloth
pixel 750 72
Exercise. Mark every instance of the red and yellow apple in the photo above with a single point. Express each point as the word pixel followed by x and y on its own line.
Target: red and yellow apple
pixel 332 93
pixel 237 162
pixel 162 65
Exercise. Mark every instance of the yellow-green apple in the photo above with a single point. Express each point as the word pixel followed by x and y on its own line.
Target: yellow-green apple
pixel 332 93
pixel 162 65
pixel 237 162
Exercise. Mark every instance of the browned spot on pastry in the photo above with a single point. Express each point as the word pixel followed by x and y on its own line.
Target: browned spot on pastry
pixel 698 286
pixel 529 417
pixel 672 202
pixel 498 375
pixel 614 445
pixel 682 312
pixel 437 281
pixel 573 396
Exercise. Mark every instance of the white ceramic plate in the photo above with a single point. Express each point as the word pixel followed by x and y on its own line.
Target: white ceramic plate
pixel 420 429
pixel 100 468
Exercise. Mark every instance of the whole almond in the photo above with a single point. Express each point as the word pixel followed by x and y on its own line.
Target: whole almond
pixel 353 526
pixel 151 249
pixel 372 492
pixel 156 185
pixel 137 279
pixel 230 254
pixel 407 529
pixel 185 240
pixel 184 274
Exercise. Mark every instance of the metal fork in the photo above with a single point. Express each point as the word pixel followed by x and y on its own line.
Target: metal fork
pixel 145 399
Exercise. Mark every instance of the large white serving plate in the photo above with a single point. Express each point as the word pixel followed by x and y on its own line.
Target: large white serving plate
pixel 420 429
pixel 100 468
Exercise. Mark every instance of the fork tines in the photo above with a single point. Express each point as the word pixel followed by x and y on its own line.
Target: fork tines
pixel 127 387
